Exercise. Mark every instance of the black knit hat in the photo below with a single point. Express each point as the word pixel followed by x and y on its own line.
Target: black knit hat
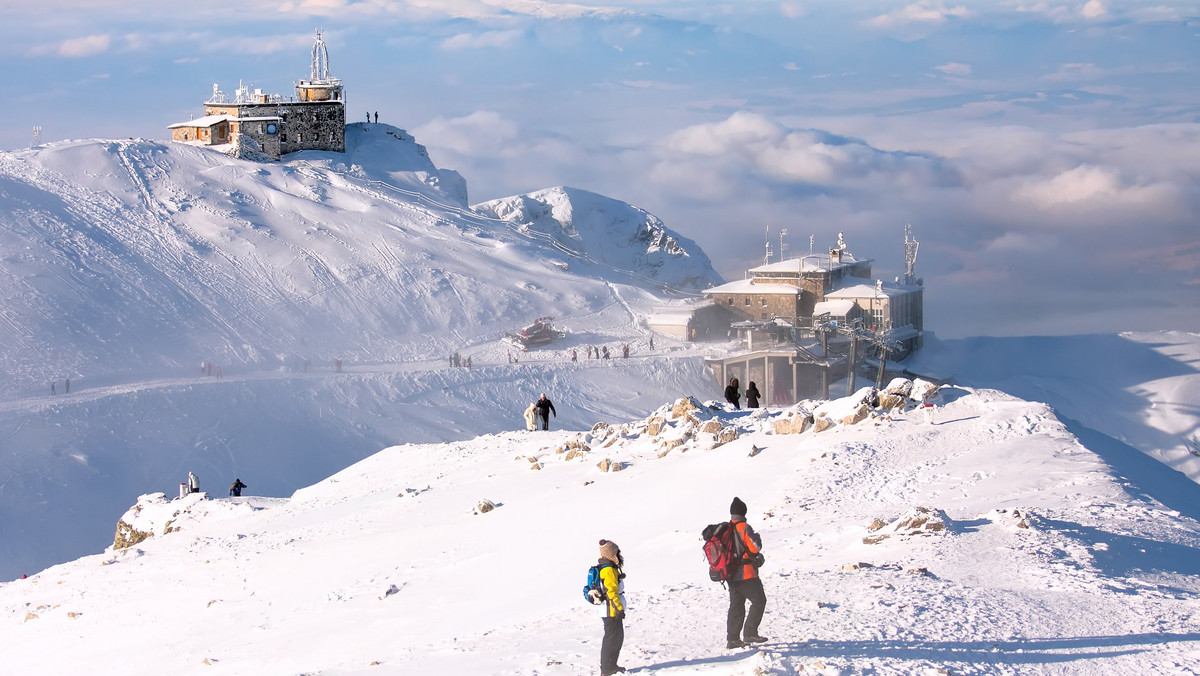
pixel 737 508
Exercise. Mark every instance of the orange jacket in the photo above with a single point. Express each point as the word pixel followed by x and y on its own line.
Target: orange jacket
pixel 751 544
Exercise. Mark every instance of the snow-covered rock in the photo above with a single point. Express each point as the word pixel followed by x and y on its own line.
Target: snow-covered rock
pixel 603 231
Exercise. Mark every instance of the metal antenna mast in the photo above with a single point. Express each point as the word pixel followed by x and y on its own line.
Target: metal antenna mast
pixel 910 255
pixel 767 236
pixel 37 136
pixel 782 232
pixel 320 61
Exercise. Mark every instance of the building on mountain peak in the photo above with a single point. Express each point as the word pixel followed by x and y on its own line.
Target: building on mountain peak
pixel 267 126
pixel 799 321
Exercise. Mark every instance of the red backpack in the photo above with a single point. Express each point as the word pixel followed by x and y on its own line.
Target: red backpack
pixel 722 549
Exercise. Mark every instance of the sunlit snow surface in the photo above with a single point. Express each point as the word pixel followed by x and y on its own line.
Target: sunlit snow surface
pixel 1070 545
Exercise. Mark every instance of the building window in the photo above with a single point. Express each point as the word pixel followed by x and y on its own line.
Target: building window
pixel 730 301
pixel 747 302
pixel 764 302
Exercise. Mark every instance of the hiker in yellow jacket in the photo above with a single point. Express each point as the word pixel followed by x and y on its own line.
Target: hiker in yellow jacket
pixel 613 578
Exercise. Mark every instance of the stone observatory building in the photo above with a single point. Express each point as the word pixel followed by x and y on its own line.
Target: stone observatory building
pixel 255 125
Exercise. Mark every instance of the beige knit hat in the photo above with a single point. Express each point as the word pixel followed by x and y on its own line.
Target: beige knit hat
pixel 609 550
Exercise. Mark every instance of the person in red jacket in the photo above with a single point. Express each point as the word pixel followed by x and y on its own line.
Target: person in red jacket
pixel 744 584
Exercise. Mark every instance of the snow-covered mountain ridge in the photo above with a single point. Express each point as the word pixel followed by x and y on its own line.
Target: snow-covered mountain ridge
pixel 136 256
pixel 1048 559
pixel 324 292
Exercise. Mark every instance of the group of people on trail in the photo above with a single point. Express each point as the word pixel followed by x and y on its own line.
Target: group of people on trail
pixel 599 352
pixel 539 410
pixel 733 394
pixel 745 585
pixel 66 389
pixel 459 361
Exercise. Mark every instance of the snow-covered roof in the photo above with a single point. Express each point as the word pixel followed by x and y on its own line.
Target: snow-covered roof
pixel 206 121
pixel 835 308
pixel 816 262
pixel 888 289
pixel 749 286
pixel 669 319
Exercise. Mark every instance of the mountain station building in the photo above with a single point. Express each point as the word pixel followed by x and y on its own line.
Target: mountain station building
pixel 797 319
pixel 268 126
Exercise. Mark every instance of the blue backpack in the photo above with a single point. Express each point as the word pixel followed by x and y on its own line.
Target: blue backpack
pixel 594 584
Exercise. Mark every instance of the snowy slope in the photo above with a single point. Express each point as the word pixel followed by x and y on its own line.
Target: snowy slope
pixel 1134 389
pixel 608 232
pixel 143 257
pixel 1049 560
pixel 125 265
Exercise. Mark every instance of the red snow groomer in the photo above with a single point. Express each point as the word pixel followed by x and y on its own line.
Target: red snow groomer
pixel 539 332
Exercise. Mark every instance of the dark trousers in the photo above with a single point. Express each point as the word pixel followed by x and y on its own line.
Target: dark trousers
pixel 544 416
pixel 610 649
pixel 739 593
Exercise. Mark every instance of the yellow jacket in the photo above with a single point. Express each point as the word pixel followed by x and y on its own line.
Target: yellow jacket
pixel 614 589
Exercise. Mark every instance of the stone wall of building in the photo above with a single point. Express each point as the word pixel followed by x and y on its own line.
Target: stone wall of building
pixel 317 125
pixel 762 306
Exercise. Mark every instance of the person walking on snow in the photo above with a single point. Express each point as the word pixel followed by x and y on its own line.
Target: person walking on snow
pixel 612 578
pixel 752 395
pixel 236 489
pixel 531 417
pixel 731 393
pixel 744 583
pixel 544 408
pixel 193 484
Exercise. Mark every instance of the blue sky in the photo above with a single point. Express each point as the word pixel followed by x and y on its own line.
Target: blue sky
pixel 1047 154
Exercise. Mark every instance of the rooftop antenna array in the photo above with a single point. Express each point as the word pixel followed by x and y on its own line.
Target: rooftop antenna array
pixel 782 233
pixel 910 255
pixel 320 61
pixel 37 136
pixel 767 236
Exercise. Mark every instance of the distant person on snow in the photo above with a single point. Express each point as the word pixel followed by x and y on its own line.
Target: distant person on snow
pixel 612 577
pixel 236 489
pixel 544 408
pixel 531 417
pixel 67 389
pixel 731 393
pixel 605 355
pixel 625 350
pixel 193 485
pixel 752 395
pixel 52 388
pixel 744 583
